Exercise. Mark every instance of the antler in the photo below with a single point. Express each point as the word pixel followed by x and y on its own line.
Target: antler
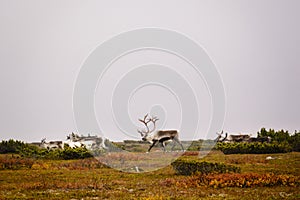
pixel 145 121
pixel 219 134
pixel 226 134
pixel 153 120
pixel 218 139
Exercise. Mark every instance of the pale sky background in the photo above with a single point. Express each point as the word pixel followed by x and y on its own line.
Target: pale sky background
pixel 255 45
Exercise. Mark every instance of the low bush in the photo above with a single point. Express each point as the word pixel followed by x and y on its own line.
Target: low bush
pixel 31 151
pixel 276 136
pixel 248 180
pixel 190 167
pixel 89 163
pixel 282 136
pixel 19 147
pixel 15 162
pixel 69 153
pixel 253 148
pixel 11 146
pixel 294 141
pixel 233 180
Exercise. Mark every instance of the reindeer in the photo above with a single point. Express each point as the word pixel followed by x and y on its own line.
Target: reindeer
pixel 51 145
pixel 160 136
pixel 73 140
pixel 260 139
pixel 232 138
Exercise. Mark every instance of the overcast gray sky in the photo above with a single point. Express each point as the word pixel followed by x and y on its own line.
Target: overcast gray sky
pixel 255 45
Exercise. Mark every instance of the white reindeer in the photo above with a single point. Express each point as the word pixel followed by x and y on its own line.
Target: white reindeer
pixel 73 141
pixel 160 136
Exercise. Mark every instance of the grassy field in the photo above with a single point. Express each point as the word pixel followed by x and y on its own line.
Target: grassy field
pixel 89 179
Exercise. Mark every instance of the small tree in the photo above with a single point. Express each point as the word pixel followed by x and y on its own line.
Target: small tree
pixel 294 141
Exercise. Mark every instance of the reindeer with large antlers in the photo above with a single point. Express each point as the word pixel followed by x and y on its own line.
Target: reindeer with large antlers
pixel 160 136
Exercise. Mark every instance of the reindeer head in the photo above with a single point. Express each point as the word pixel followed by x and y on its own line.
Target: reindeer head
pixel 146 120
pixel 220 135
pixel 43 141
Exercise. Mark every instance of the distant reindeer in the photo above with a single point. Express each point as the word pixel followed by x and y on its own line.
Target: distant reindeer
pixel 160 136
pixel 52 144
pixel 232 138
pixel 240 138
pixel 73 140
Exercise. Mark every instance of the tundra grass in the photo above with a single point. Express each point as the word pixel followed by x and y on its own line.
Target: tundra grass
pixel 83 179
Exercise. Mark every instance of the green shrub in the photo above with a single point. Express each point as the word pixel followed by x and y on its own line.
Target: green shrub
pixel 294 141
pixel 11 146
pixel 282 136
pixel 195 145
pixel 69 153
pixel 253 148
pixel 276 136
pixel 281 142
pixel 31 151
pixel 190 167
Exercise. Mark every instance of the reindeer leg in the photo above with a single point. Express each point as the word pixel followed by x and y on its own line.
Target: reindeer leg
pixel 151 146
pixel 174 143
pixel 178 141
pixel 181 146
pixel 164 146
